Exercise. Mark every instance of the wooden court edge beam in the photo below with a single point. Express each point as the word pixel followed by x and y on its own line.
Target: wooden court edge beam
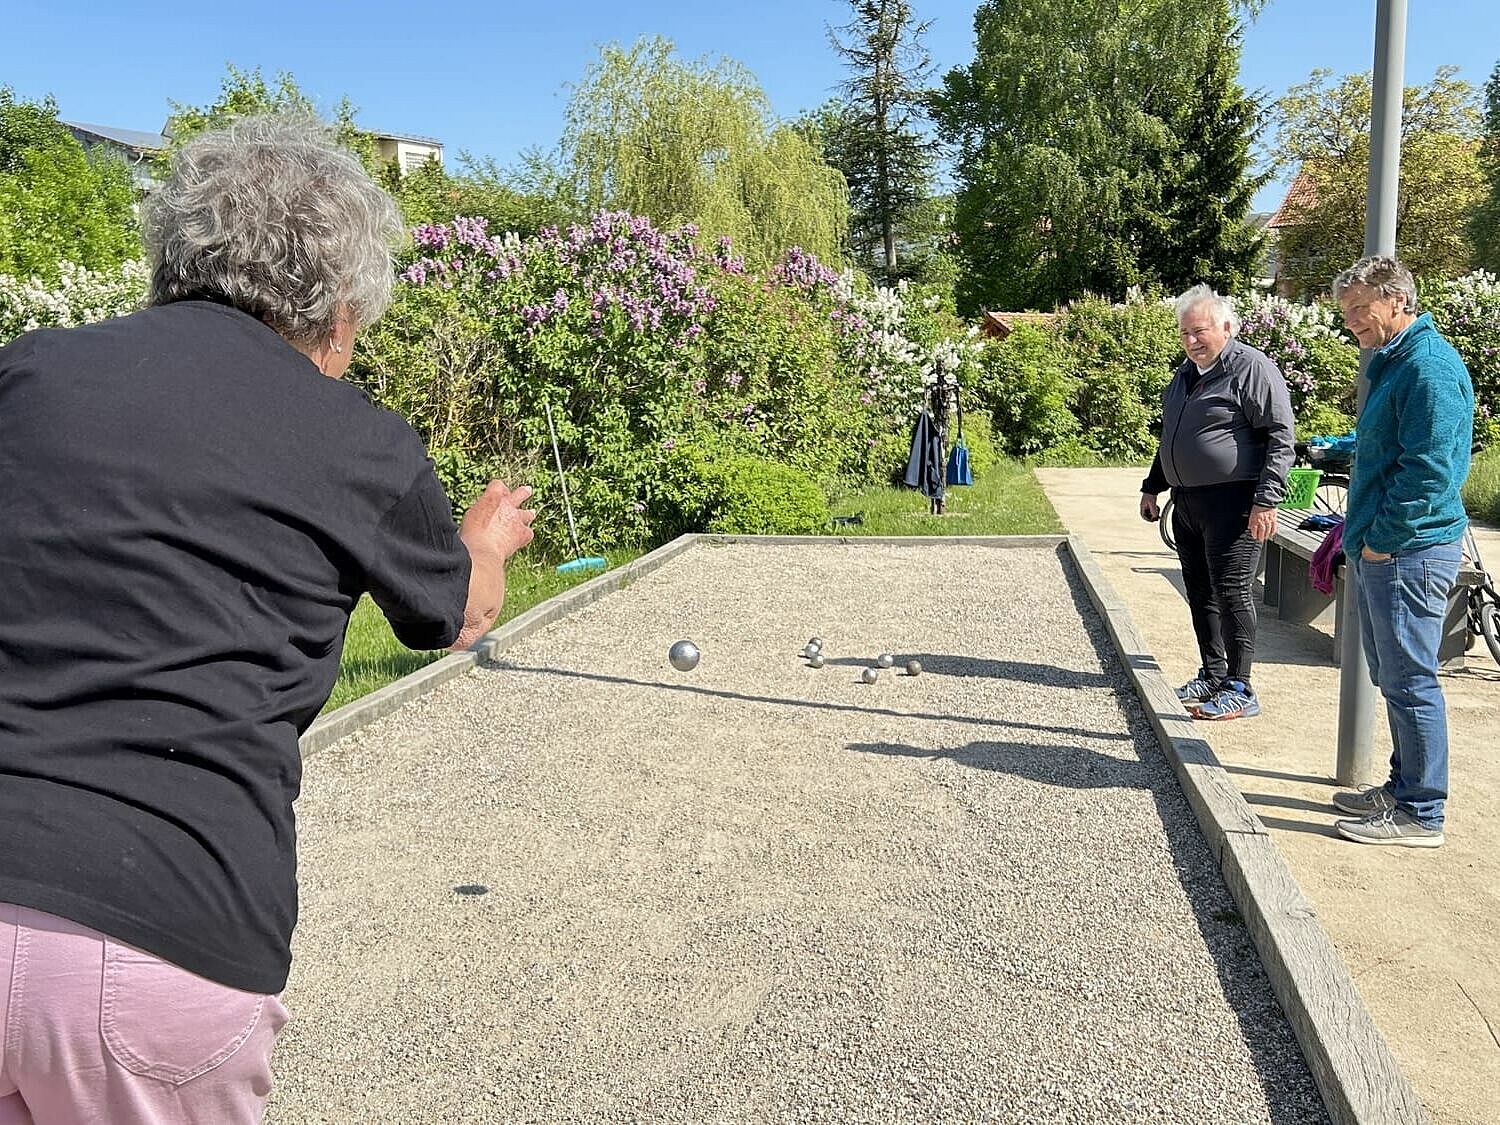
pixel 1351 1063
pixel 1353 1067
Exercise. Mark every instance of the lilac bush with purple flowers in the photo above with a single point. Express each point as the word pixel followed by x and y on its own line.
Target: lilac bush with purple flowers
pixel 1319 364
pixel 646 345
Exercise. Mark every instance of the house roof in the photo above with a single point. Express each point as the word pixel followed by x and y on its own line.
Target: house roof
pixel 409 138
pixel 1300 198
pixel 133 139
pixel 999 325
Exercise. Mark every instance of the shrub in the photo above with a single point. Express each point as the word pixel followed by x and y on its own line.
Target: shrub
pixel 1070 454
pixel 1119 417
pixel 1124 356
pixel 887 457
pixel 708 486
pixel 59 203
pixel 1304 341
pixel 78 296
pixel 760 497
pixel 464 478
pixel 1467 312
pixel 979 438
pixel 1324 421
pixel 1028 384
pixel 646 344
pixel 1333 364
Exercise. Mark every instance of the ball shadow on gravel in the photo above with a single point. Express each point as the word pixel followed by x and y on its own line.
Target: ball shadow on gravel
pixel 955 664
pixel 814 704
pixel 1075 767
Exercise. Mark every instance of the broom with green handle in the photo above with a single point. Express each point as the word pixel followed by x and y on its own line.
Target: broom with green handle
pixel 579 561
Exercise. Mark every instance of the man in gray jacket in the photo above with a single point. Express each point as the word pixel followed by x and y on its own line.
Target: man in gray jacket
pixel 1226 446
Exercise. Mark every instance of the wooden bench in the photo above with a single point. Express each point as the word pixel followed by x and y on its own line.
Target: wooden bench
pixel 1289 589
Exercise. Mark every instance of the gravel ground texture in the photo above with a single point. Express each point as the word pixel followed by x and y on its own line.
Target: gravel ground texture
pixel 759 892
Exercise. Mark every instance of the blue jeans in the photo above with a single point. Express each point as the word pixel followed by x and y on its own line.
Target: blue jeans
pixel 1402 604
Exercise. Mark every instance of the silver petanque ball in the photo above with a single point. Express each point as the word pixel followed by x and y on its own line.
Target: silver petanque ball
pixel 812 650
pixel 885 659
pixel 816 642
pixel 913 667
pixel 870 675
pixel 684 656
pixel 815 660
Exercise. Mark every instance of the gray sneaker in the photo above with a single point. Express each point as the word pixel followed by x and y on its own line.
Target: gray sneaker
pixel 1393 826
pixel 1200 689
pixel 1366 801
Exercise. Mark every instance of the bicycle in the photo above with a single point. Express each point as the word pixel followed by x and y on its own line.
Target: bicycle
pixel 1331 497
pixel 1484 602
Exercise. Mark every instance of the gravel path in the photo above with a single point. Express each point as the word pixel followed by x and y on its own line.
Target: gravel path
pixel 761 893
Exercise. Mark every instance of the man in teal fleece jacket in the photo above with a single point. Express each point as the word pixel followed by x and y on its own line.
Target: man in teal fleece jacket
pixel 1402 536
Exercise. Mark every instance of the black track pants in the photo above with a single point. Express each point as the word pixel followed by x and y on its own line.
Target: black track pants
pixel 1219 559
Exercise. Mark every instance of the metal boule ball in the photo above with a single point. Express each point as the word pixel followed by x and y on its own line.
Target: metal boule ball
pixel 812 650
pixel 816 642
pixel 684 656
pixel 886 659
pixel 815 660
pixel 913 667
pixel 870 675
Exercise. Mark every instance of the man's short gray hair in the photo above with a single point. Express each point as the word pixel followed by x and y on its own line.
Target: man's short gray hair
pixel 1382 273
pixel 1222 307
pixel 273 217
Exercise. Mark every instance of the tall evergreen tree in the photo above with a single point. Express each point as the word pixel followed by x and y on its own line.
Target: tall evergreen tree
pixel 877 141
pixel 1071 130
pixel 1205 234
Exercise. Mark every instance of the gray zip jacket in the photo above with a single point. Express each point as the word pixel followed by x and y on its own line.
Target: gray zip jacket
pixel 1234 425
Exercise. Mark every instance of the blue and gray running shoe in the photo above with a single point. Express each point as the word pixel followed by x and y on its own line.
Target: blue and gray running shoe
pixel 1233 700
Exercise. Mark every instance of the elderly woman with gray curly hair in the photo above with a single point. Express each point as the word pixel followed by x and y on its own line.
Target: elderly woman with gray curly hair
pixel 193 504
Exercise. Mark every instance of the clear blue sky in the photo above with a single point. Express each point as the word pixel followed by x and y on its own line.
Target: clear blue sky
pixel 492 78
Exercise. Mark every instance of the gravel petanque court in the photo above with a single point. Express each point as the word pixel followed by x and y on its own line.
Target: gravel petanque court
pixel 758 892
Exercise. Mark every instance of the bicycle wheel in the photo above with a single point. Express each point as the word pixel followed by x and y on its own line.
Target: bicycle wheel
pixel 1164 525
pixel 1332 496
pixel 1489 622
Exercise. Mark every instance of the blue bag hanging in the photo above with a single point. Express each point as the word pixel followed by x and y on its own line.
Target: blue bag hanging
pixel 958 459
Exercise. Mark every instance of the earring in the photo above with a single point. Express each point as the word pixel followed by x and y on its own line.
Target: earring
pixel 338 348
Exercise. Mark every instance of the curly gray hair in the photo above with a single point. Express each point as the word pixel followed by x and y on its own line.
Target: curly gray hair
pixel 1222 308
pixel 271 216
pixel 1385 275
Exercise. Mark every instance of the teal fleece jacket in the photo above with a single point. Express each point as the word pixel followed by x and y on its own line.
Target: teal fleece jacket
pixel 1412 453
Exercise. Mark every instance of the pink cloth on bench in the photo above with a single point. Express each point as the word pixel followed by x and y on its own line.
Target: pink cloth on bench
pixel 1326 559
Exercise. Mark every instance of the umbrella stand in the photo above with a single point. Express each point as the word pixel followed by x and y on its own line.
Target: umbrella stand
pixel 579 561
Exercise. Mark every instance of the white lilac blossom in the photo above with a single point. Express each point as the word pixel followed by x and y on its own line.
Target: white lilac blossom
pixel 79 296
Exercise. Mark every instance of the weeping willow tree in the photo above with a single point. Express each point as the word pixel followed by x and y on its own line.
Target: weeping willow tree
pixel 695 142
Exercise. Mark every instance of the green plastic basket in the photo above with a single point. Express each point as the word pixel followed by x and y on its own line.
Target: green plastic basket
pixel 1301 487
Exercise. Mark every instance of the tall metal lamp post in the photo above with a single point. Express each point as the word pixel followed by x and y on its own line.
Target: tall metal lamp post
pixel 1356 693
